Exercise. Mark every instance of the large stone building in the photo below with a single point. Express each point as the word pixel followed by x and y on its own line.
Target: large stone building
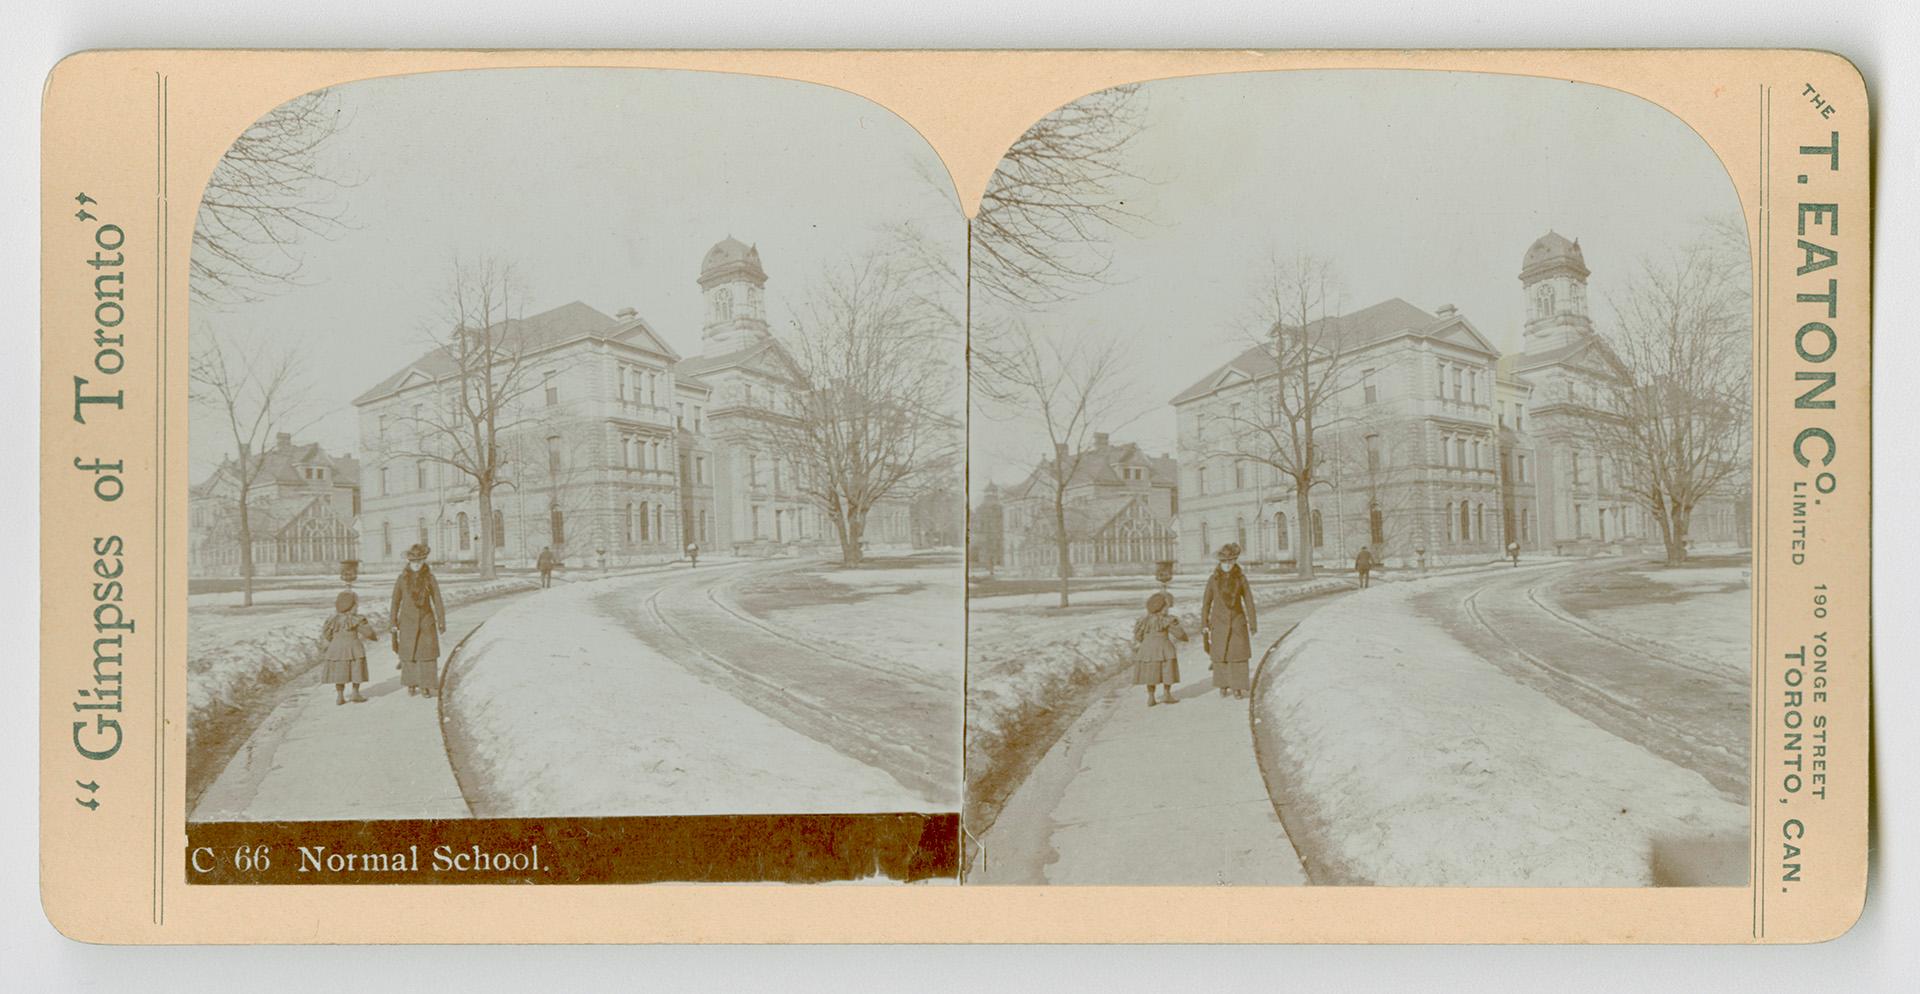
pixel 1120 506
pixel 1436 445
pixel 301 506
pixel 623 451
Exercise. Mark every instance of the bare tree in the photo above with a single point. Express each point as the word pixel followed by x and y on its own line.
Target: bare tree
pixel 465 419
pixel 1066 387
pixel 256 393
pixel 871 412
pixel 1295 401
pixel 268 192
pixel 1677 417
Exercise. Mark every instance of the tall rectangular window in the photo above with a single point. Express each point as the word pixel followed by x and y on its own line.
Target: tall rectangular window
pixel 553 453
pixel 551 387
pixel 1370 392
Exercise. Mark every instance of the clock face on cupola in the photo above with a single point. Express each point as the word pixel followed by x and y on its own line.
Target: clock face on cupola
pixel 734 287
pixel 1553 275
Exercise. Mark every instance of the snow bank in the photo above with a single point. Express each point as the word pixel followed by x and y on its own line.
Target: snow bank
pixel 234 653
pixel 1030 674
pixel 561 711
pixel 1398 757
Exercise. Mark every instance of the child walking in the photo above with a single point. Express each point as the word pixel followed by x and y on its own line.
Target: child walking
pixel 1156 660
pixel 346 658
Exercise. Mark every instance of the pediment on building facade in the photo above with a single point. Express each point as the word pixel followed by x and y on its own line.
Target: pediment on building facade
pixel 1457 330
pixel 642 336
pixel 412 378
pixel 1228 377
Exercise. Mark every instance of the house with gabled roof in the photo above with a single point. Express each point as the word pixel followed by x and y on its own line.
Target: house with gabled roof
pixel 301 508
pixel 1120 503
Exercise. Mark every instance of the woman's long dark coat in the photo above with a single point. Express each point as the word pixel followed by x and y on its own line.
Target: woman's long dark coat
pixel 417 624
pixel 1227 611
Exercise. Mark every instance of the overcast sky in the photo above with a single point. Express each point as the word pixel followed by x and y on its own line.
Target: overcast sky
pixel 1424 186
pixel 605 186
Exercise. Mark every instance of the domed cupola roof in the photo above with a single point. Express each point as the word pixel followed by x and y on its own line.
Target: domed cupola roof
pixel 730 258
pixel 1552 252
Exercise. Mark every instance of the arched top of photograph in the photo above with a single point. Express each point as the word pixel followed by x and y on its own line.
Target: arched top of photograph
pixel 524 347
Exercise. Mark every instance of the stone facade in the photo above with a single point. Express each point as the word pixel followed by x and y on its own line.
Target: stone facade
pixel 1439 447
pixel 624 450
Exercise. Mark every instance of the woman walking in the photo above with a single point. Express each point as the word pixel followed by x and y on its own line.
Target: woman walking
pixel 1227 612
pixel 419 619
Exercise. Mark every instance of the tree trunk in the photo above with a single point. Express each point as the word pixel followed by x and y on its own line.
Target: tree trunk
pixel 485 489
pixel 1303 513
pixel 1677 534
pixel 246 550
pixel 852 529
pixel 1063 543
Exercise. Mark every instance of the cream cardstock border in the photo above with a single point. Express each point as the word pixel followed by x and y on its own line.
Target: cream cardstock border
pixel 139 131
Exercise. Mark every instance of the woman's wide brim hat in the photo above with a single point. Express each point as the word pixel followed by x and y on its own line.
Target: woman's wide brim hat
pixel 1228 551
pixel 418 553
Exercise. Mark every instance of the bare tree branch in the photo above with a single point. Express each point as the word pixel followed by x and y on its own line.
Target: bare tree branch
pixel 269 191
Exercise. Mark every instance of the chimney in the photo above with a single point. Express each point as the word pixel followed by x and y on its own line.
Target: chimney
pixel 625 312
pixel 1447 310
pixel 283 440
pixel 1099 439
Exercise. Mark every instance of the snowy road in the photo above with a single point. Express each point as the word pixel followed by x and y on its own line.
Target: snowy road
pixel 1139 795
pixel 848 694
pixel 313 760
pixel 1677 704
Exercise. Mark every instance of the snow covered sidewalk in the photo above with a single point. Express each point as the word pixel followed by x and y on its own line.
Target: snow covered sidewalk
pixel 1163 795
pixel 1400 757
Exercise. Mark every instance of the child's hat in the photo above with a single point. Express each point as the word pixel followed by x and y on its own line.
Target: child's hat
pixel 1159 601
pixel 344 601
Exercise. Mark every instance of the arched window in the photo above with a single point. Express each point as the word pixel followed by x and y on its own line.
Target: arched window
pixel 644 536
pixel 1446 514
pixel 466 538
pixel 1319 534
pixel 557 521
pixel 1376 525
pixel 1240 531
pixel 1206 545
pixel 723 304
pixel 1280 529
pixel 1480 522
pixel 499 529
pixel 659 522
pixel 1465 535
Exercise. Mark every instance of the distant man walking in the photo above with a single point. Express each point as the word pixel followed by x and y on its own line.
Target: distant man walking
pixel 1363 564
pixel 693 554
pixel 1513 552
pixel 545 564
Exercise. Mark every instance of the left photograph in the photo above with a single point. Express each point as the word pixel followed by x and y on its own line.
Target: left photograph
pixel 577 444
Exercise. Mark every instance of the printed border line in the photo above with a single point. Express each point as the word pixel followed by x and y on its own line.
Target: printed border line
pixel 1766 584
pixel 160 217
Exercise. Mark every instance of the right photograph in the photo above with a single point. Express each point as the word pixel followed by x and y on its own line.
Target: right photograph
pixel 1360 484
